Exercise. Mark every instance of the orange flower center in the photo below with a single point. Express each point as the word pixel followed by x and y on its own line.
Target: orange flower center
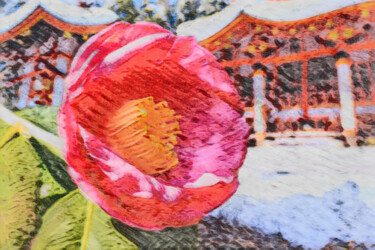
pixel 144 133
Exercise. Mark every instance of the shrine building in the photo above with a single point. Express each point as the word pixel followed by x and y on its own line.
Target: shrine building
pixel 302 68
pixel 37 44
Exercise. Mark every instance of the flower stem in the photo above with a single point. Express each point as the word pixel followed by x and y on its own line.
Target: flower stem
pixel 86 229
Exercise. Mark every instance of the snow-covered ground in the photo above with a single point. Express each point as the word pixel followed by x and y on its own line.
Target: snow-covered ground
pixel 308 193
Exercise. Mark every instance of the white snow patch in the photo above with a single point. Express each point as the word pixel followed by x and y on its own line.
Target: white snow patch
pixel 308 220
pixel 203 28
pixel 332 113
pixel 310 194
pixel 68 13
pixel 76 15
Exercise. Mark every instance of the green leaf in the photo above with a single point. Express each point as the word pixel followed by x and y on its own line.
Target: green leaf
pixel 27 184
pixel 43 116
pixel 4 127
pixel 55 165
pixel 50 187
pixel 50 190
pixel 75 223
pixel 20 186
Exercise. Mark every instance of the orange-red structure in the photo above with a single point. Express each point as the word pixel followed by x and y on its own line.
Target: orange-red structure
pixel 300 60
pixel 35 56
pixel 40 14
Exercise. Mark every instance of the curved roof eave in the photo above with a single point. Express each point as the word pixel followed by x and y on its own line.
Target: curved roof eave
pixel 65 12
pixel 205 27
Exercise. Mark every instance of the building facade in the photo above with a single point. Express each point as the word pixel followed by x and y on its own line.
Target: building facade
pixel 37 45
pixel 316 74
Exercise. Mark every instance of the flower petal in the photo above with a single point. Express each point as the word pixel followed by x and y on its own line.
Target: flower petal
pixel 127 62
pixel 154 205
pixel 94 50
pixel 201 62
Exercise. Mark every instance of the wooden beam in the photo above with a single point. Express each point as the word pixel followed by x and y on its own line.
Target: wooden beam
pixel 40 14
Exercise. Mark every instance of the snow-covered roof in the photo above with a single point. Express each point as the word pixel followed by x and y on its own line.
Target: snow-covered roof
pixel 205 27
pixel 65 12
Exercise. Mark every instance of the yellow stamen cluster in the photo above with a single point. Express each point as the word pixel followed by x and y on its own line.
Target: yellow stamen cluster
pixel 144 133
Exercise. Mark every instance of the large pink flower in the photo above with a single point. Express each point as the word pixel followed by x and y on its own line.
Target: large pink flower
pixel 153 127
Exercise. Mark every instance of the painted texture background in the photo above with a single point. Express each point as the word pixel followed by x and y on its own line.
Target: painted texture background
pixel 305 73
